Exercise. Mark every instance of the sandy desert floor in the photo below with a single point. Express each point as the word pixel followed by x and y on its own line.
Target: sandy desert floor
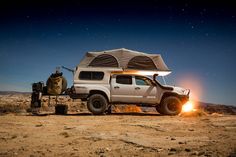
pixel 147 133
pixel 139 134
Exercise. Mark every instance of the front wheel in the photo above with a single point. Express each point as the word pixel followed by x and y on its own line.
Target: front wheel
pixel 170 106
pixel 97 104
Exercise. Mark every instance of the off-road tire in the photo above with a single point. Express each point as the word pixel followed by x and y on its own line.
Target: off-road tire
pixel 171 105
pixel 64 84
pixel 61 109
pixel 97 104
pixel 159 109
pixel 109 110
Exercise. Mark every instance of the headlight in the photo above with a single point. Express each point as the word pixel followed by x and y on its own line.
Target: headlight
pixel 187 91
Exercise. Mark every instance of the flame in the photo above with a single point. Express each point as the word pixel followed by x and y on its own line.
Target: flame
pixel 132 109
pixel 188 107
pixel 127 108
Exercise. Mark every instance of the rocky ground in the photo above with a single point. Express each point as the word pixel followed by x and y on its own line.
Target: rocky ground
pixel 128 131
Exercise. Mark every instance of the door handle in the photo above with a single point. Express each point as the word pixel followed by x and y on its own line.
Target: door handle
pixel 116 87
pixel 136 88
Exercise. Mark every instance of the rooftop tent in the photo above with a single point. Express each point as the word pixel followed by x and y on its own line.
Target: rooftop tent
pixel 125 59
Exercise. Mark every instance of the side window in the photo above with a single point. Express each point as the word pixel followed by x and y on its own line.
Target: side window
pixel 91 75
pixel 124 79
pixel 142 81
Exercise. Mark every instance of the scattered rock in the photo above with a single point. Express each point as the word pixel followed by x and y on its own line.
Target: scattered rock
pixel 173 150
pixel 25 136
pixel 190 129
pixel 68 128
pixel 182 142
pixel 159 149
pixel 75 149
pixel 65 134
pixel 201 153
pixel 100 151
pixel 187 150
pixel 172 138
pixel 171 153
pixel 194 153
pixel 49 150
pixel 14 136
pixel 38 125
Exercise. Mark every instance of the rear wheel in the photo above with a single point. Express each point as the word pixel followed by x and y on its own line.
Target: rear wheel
pixel 170 106
pixel 97 104
pixel 109 110
pixel 158 108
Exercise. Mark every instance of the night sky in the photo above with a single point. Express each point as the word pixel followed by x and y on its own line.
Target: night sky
pixel 197 40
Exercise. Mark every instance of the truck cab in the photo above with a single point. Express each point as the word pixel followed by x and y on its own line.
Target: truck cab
pixel 102 87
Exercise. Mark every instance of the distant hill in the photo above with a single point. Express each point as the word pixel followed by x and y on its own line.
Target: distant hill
pixel 216 108
pixel 13 92
pixel 208 107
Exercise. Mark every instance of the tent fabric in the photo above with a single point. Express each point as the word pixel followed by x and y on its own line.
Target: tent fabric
pixel 104 60
pixel 125 59
pixel 141 63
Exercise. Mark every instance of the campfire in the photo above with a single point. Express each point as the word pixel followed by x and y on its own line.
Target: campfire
pixel 126 108
pixel 188 107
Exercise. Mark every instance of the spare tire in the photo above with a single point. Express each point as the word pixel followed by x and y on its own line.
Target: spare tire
pixel 56 84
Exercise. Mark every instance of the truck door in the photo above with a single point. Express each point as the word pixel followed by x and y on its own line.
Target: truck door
pixel 145 91
pixel 122 89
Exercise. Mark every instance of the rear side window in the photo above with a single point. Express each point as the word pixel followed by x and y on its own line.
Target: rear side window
pixel 124 79
pixel 91 75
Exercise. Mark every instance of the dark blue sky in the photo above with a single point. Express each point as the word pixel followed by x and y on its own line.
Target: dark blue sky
pixel 197 40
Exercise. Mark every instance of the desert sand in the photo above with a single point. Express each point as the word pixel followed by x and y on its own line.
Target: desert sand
pixel 120 134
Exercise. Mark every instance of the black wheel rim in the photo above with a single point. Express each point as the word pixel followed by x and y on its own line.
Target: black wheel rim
pixel 97 104
pixel 173 106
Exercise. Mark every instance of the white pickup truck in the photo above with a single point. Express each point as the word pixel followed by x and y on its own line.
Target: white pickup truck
pixel 102 87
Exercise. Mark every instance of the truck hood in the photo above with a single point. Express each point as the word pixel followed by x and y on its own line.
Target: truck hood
pixel 180 91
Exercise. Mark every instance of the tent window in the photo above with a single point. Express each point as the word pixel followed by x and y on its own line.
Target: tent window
pixel 104 60
pixel 91 75
pixel 141 63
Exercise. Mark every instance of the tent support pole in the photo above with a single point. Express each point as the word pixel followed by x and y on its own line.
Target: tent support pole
pixel 163 78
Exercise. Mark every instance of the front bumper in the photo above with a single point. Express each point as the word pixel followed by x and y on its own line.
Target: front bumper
pixel 184 98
